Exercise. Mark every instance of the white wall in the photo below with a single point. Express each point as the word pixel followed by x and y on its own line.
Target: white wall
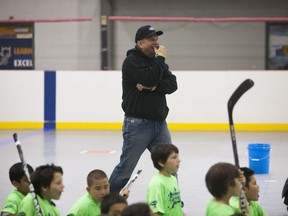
pixel 89 96
pixel 203 95
pixel 95 96
pixel 21 96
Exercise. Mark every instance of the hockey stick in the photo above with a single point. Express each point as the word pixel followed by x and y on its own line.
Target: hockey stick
pixel 132 181
pixel 243 87
pixel 32 191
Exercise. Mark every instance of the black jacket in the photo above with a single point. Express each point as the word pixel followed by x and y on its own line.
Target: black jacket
pixel 150 72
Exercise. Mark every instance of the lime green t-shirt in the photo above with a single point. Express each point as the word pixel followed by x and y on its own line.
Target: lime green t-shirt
pixel 87 206
pixel 27 207
pixel 220 209
pixel 12 202
pixel 163 195
pixel 254 208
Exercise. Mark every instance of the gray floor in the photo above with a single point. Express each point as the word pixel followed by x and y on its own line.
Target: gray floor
pixel 79 152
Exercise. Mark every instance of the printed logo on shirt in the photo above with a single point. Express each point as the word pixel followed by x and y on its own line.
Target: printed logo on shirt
pixel 174 198
pixel 153 203
pixel 8 206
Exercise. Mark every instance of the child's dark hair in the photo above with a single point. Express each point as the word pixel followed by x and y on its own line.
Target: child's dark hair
pixel 95 174
pixel 43 176
pixel 139 209
pixel 247 173
pixel 111 199
pixel 16 171
pixel 219 177
pixel 161 152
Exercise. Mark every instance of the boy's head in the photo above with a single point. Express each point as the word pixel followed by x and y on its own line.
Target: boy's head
pixel 222 179
pixel 251 187
pixel 165 156
pixel 18 178
pixel 97 184
pixel 47 181
pixel 113 204
pixel 139 209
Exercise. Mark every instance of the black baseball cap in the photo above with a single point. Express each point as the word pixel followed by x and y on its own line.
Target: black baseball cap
pixel 146 32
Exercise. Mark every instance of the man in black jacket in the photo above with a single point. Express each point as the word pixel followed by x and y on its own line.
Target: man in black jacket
pixel 146 80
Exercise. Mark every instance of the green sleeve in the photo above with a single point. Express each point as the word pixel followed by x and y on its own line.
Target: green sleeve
pixel 12 202
pixel 155 199
pixel 10 207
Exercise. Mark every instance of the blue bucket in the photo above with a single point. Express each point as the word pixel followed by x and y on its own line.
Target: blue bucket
pixel 259 157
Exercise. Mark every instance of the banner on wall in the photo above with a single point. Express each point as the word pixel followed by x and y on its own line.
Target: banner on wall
pixel 277 46
pixel 16 46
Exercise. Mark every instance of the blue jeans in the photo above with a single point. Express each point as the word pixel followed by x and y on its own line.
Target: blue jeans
pixel 138 135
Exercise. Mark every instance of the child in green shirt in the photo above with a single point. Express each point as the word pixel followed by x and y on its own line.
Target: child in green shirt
pixel 97 187
pixel 223 180
pixel 20 182
pixel 163 194
pixel 48 185
pixel 251 191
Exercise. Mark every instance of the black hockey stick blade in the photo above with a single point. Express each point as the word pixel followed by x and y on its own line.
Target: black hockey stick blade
pixel 15 137
pixel 285 190
pixel 242 88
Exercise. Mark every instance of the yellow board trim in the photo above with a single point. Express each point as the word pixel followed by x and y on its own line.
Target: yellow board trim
pixel 88 126
pixel 172 126
pixel 21 125
pixel 225 127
